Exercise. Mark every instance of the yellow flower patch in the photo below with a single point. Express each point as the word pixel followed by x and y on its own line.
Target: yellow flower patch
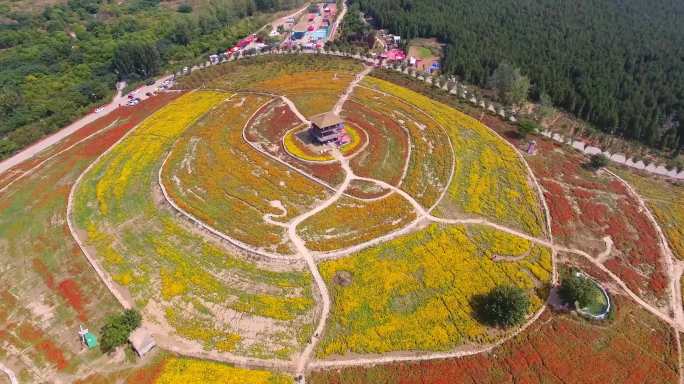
pixel 416 292
pixel 190 371
pixel 349 222
pixel 489 178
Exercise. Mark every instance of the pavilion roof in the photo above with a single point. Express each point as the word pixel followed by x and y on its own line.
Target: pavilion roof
pixel 326 119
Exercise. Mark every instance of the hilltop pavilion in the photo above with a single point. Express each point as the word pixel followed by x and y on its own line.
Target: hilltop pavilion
pixel 329 128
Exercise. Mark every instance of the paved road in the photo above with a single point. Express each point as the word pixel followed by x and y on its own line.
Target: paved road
pixel 34 149
pixel 338 21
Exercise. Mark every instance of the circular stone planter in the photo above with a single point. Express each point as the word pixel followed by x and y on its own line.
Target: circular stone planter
pixel 296 144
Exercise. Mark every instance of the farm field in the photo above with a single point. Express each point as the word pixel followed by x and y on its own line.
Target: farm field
pixel 633 348
pixel 417 292
pixel 193 290
pixel 211 171
pixel 488 180
pixel 48 288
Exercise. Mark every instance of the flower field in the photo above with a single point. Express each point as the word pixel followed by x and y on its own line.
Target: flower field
pixel 179 370
pixel 165 368
pixel 666 201
pixel 431 157
pixel 489 180
pixel 415 293
pixel 634 348
pixel 386 154
pixel 196 288
pixel 314 84
pixel 586 207
pixel 350 221
pixel 267 130
pixel 312 92
pixel 47 286
pixel 212 171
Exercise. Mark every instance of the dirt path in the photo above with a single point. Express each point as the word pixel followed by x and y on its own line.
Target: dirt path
pixel 12 377
pixel 603 256
pixel 359 76
pixel 673 271
pixel 300 245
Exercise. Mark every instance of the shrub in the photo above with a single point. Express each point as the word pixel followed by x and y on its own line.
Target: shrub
pixel 577 290
pixel 505 306
pixel 527 127
pixel 117 328
pixel 598 161
pixel 184 8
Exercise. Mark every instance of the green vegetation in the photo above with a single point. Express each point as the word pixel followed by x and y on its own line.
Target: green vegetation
pixel 579 291
pixel 504 306
pixel 605 61
pixel 353 32
pixel 57 64
pixel 527 127
pixel 512 87
pixel 598 161
pixel 117 328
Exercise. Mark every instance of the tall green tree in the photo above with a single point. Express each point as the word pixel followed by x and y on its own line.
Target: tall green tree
pixel 136 59
pixel 504 306
pixel 511 86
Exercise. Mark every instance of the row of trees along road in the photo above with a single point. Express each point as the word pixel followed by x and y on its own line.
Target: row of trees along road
pixel 59 61
pixel 616 64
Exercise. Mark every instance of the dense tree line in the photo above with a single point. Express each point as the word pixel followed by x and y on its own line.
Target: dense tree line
pixel 58 63
pixel 617 64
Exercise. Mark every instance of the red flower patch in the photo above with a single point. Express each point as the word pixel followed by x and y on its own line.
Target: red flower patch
pixel 70 291
pixel 53 354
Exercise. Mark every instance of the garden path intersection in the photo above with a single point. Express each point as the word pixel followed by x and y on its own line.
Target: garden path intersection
pixel 674 316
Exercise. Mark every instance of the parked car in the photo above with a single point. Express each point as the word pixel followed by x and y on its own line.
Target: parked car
pixel 149 82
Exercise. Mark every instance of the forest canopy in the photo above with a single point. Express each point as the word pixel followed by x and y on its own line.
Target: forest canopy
pixel 616 64
pixel 58 62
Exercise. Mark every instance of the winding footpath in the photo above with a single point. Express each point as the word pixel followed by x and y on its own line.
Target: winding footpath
pixel 304 252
